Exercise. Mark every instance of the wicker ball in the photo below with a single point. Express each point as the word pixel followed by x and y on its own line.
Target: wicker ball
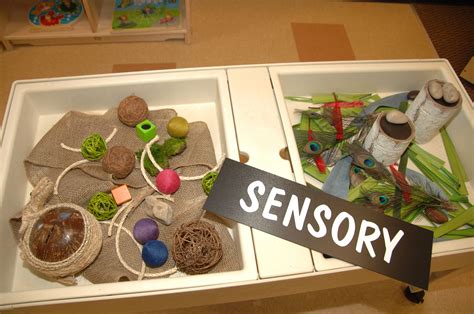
pixel 132 110
pixel 102 206
pixel 119 161
pixel 93 147
pixel 197 247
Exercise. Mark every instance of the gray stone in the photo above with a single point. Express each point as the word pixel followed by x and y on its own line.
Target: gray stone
pixel 159 209
pixel 435 89
pixel 450 93
pixel 396 117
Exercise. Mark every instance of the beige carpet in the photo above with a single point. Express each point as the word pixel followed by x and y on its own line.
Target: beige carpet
pixel 234 32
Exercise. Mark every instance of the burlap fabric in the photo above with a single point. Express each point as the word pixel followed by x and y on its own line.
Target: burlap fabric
pixel 48 158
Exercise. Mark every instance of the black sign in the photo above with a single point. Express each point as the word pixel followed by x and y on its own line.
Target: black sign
pixel 322 222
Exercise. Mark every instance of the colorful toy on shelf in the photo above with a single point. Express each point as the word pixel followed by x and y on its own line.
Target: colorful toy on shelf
pixel 145 14
pixel 55 13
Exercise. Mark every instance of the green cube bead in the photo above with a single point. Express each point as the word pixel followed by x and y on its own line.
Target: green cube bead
pixel 146 130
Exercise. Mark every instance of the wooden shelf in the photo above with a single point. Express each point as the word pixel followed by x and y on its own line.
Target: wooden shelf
pixel 93 27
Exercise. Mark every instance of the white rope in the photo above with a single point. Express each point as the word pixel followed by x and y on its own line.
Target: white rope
pixel 142 272
pixel 112 222
pixel 111 136
pixel 73 165
pixel 76 150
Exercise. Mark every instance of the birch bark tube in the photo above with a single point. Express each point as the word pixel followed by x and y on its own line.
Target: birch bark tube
pixel 429 115
pixel 383 147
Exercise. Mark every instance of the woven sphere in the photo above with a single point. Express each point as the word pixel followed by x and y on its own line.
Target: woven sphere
pixel 119 161
pixel 57 234
pixel 197 247
pixel 132 110
pixel 208 181
pixel 102 206
pixel 93 147
pixel 167 181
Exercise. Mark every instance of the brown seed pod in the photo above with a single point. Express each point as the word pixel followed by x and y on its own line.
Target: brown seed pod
pixel 197 247
pixel 119 161
pixel 436 215
pixel 132 110
pixel 57 234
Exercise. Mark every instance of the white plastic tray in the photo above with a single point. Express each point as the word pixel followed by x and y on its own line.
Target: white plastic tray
pixel 384 78
pixel 36 105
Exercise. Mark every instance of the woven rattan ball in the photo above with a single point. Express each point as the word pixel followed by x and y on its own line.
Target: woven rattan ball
pixel 119 161
pixel 197 247
pixel 132 110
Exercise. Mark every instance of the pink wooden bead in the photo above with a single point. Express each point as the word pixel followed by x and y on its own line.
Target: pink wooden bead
pixel 167 181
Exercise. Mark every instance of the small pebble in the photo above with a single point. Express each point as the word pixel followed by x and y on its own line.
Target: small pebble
pixel 450 93
pixel 159 210
pixel 396 117
pixel 435 89
pixel 154 253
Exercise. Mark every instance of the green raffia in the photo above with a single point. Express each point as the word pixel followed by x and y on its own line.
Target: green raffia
pixel 93 147
pixel 454 161
pixel 468 232
pixel 462 219
pixel 208 181
pixel 102 206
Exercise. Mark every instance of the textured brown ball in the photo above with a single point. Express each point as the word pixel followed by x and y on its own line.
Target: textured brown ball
pixel 119 161
pixel 197 247
pixel 132 110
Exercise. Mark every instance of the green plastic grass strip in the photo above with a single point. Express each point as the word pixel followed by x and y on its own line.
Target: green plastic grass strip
pixel 468 232
pixel 302 99
pixel 453 224
pixel 410 216
pixel 431 173
pixel 322 98
pixel 420 151
pixel 454 161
